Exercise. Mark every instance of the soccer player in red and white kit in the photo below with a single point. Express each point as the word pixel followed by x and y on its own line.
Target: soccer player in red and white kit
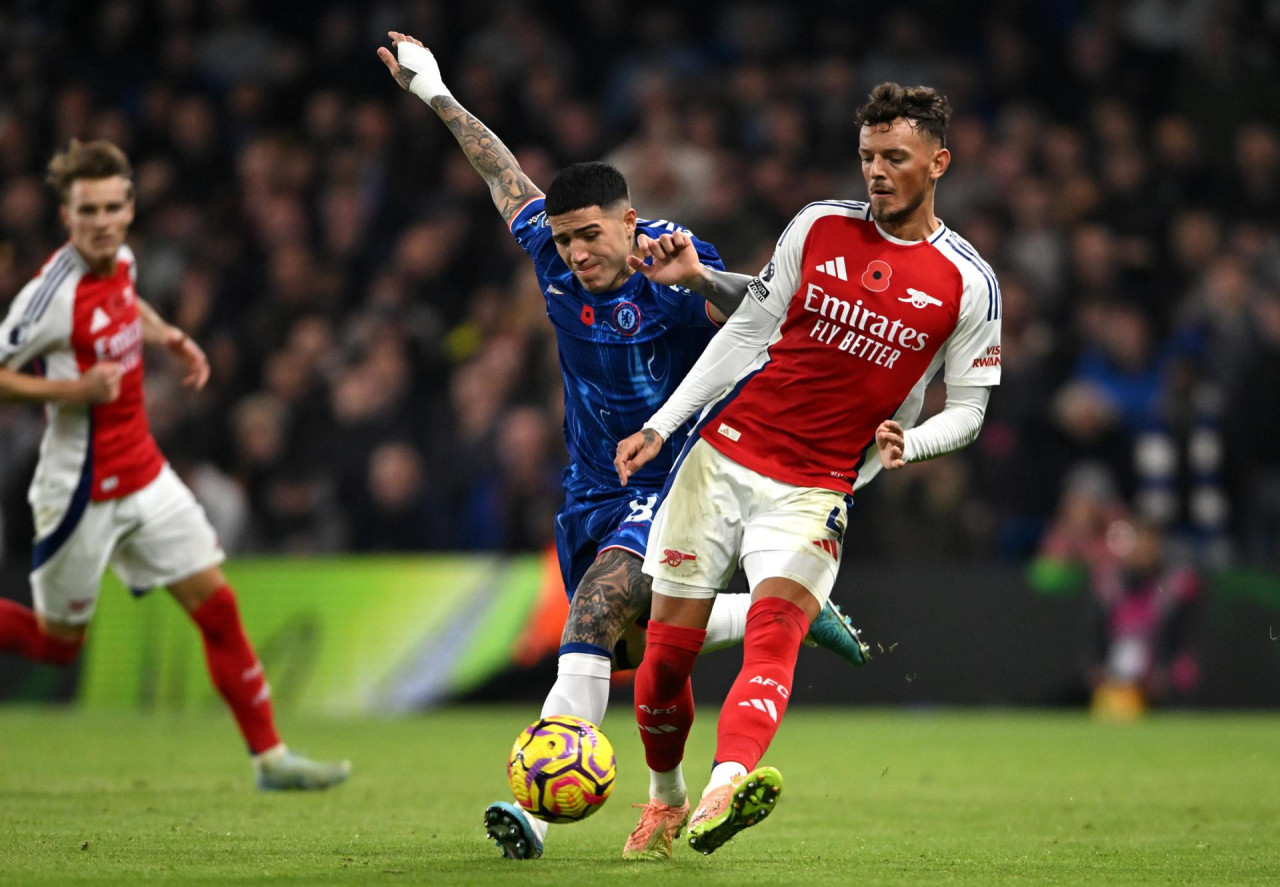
pixel 822 367
pixel 103 493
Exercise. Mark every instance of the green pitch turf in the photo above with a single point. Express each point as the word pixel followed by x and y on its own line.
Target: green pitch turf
pixel 872 797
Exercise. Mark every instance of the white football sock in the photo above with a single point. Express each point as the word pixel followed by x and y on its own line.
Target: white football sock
pixel 668 787
pixel 582 690
pixel 728 623
pixel 723 774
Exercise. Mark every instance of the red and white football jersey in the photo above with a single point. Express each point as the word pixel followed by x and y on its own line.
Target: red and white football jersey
pixel 66 319
pixel 866 321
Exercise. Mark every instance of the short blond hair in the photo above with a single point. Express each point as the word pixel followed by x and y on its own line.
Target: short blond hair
pixel 87 160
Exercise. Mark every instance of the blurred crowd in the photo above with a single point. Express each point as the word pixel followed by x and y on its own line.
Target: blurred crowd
pixel 385 378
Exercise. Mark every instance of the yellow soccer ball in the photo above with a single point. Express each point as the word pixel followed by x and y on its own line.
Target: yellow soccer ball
pixel 561 769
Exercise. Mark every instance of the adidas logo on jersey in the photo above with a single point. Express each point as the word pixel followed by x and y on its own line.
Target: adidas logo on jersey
pixel 100 320
pixel 834 267
pixel 730 432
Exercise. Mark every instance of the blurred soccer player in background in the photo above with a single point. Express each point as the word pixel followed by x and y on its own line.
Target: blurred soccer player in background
pixel 624 343
pixel 824 364
pixel 103 494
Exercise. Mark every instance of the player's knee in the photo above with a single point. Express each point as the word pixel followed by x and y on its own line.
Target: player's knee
pixel 195 591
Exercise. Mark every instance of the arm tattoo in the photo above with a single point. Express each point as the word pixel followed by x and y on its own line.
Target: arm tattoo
pixel 612 594
pixel 509 186
pixel 724 289
pixel 650 437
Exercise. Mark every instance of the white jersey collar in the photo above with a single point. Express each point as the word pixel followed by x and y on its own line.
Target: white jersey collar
pixel 938 234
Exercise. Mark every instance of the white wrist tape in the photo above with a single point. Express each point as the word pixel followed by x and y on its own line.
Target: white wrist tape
pixel 427 82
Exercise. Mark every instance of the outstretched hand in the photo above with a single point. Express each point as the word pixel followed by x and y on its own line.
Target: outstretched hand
pixel 891 441
pixel 673 259
pixel 635 452
pixel 403 75
pixel 412 62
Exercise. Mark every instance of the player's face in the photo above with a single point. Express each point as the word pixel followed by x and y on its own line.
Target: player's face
pixel 595 242
pixel 97 214
pixel 900 166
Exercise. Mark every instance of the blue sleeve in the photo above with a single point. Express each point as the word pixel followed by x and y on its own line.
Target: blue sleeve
pixel 531 231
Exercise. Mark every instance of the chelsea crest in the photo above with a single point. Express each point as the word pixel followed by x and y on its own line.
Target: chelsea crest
pixel 626 318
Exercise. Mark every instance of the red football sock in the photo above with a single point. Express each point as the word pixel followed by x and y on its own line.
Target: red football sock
pixel 664 693
pixel 20 633
pixel 235 669
pixel 758 699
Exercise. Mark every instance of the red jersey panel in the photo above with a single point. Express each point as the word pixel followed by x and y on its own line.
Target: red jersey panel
pixel 865 323
pixel 106 327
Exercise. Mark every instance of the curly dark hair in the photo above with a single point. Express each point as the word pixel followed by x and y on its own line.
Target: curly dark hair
pixel 926 110
pixel 87 160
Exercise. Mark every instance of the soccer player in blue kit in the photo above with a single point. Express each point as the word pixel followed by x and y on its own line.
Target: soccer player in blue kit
pixel 624 344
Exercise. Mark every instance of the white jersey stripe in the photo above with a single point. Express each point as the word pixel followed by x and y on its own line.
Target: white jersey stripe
pixel 993 289
pixel 993 307
pixel 54 278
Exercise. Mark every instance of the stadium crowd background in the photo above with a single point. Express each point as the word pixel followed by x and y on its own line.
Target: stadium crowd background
pixel 384 377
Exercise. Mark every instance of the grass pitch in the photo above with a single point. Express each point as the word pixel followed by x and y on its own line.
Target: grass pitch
pixel 872 797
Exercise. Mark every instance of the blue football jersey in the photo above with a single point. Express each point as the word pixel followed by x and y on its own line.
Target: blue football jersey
pixel 622 353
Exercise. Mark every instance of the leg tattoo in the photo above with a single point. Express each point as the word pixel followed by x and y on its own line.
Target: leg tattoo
pixel 612 595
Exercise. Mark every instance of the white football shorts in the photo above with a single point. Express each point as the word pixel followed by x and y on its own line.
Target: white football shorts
pixel 718 513
pixel 153 537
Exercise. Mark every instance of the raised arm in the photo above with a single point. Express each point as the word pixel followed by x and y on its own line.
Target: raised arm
pixel 415 69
